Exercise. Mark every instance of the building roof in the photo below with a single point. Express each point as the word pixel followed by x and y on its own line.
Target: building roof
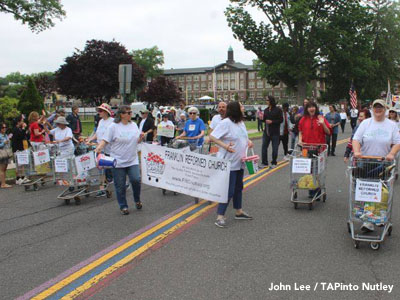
pixel 236 65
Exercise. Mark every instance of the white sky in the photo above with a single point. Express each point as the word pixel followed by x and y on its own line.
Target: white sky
pixel 192 33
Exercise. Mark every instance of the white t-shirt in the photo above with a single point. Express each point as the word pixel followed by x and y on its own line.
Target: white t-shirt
pixel 343 116
pixel 376 138
pixel 60 134
pixel 101 131
pixel 124 141
pixel 142 124
pixel 353 113
pixel 215 121
pixel 168 123
pixel 227 131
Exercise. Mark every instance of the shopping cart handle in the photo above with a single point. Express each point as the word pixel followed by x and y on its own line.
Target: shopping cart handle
pixel 372 157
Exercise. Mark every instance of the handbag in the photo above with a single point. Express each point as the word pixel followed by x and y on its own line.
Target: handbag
pixel 5 153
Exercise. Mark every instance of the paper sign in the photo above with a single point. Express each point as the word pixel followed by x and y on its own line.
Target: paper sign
pixel 368 191
pixel 321 164
pixel 22 158
pixel 41 157
pixel 301 166
pixel 167 131
pixel 85 162
pixel 61 165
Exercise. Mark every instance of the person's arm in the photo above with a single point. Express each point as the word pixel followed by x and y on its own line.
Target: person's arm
pixel 100 146
pixel 356 148
pixel 325 125
pixel 37 131
pixel 227 147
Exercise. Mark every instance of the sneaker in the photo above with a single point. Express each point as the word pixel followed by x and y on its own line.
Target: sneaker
pixel 273 166
pixel 125 211
pixel 367 227
pixel 286 157
pixel 221 223
pixel 18 181
pixel 243 216
pixel 100 194
pixel 139 205
pixel 25 180
pixel 263 166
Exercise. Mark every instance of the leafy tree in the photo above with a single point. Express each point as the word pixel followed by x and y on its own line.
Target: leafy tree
pixel 37 14
pixel 92 73
pixel 30 99
pixel 150 59
pixel 17 78
pixel 161 90
pixel 8 110
pixel 45 83
pixel 11 90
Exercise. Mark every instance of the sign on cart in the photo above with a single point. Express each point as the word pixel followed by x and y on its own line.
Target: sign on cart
pixel 22 158
pixel 41 157
pixel 61 165
pixel 85 162
pixel 301 166
pixel 368 191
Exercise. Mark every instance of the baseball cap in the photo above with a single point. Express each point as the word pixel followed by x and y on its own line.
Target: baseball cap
pixel 380 102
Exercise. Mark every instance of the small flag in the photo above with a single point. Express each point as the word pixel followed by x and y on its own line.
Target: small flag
pixel 353 96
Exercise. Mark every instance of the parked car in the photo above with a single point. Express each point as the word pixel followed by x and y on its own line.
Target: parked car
pixel 250 113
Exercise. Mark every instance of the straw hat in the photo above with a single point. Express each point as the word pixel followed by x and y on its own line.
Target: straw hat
pixel 106 108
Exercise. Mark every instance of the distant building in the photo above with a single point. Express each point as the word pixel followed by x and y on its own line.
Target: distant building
pixel 230 79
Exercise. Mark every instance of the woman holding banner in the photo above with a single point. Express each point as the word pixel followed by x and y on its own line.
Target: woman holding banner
pixel 231 135
pixel 123 136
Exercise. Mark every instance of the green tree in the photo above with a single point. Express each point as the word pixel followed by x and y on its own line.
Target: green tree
pixel 8 110
pixel 38 15
pixel 30 99
pixel 17 78
pixel 150 59
pixel 289 42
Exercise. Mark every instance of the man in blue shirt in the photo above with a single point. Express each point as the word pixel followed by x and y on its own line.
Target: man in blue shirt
pixel 194 128
pixel 334 119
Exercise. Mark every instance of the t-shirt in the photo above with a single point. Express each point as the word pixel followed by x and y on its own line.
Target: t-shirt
pixel 33 137
pixel 377 138
pixel 101 131
pixel 124 141
pixel 343 116
pixel 215 121
pixel 353 113
pixel 194 128
pixel 235 133
pixel 311 131
pixel 60 134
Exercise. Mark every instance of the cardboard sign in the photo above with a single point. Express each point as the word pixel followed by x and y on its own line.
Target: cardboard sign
pixel 41 157
pixel 368 191
pixel 85 162
pixel 186 172
pixel 61 165
pixel 301 166
pixel 22 158
pixel 167 131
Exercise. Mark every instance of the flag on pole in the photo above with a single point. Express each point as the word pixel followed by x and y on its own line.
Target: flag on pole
pixel 353 96
pixel 389 96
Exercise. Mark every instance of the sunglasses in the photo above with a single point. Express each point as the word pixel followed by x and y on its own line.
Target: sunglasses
pixel 3 127
pixel 192 113
pixel 126 112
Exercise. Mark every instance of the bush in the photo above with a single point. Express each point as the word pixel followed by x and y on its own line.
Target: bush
pixel 204 115
pixel 30 99
pixel 8 110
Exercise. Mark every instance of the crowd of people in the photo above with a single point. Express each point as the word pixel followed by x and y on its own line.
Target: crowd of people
pixel 119 137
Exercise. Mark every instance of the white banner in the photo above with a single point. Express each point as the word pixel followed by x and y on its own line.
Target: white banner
pixel 368 191
pixel 85 162
pixel 41 157
pixel 186 172
pixel 301 166
pixel 167 131
pixel 22 158
pixel 61 165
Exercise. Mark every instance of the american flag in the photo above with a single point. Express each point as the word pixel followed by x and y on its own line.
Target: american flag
pixel 353 96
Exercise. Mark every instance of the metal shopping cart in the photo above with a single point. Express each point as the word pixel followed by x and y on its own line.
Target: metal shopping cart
pixel 371 194
pixel 308 172
pixel 80 176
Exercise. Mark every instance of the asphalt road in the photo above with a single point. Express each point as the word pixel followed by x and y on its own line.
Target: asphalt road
pixel 41 238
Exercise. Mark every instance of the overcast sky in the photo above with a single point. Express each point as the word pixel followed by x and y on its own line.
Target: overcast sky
pixel 192 33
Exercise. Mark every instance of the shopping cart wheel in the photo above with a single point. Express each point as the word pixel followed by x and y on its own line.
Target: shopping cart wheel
pixel 43 183
pixel 67 201
pixel 26 187
pixel 71 188
pixel 310 206
pixel 295 195
pixel 356 244
pixel 324 197
pixel 35 187
pixel 348 227
pixel 108 194
pixel 77 200
pixel 390 231
pixel 375 246
pixel 295 205
pixel 164 192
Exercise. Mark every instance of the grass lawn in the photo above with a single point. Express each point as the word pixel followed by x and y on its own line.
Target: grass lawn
pixel 250 125
pixel 10 173
pixel 87 128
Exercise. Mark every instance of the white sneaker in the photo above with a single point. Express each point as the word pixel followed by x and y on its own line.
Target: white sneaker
pixel 25 180
pixel 286 157
pixel 19 181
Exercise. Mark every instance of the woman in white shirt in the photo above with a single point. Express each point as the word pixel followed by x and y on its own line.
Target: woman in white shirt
pixel 376 136
pixel 165 123
pixel 123 136
pixel 231 135
pixel 63 137
pixel 343 119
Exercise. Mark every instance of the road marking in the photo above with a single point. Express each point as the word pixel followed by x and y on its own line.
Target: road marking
pixel 91 274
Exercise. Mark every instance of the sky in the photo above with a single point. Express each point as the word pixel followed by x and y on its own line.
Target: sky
pixel 191 33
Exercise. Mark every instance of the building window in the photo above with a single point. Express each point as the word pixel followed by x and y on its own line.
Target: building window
pixel 196 86
pixel 251 95
pixel 267 85
pixel 225 85
pixel 259 95
pixel 277 94
pixel 219 76
pixel 259 84
pixel 189 87
pixel 252 75
pixel 233 75
pixel 203 86
pixel 196 78
pixel 180 78
pixel 251 85
pixel 219 85
pixel 189 78
pixel 241 75
pixel 226 97
pixel 209 77
pixel 203 77
pixel 233 85
pixel 226 75
pixel 210 85
pixel 258 76
pixel 242 84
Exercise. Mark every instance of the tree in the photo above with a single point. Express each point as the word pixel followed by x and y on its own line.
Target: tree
pixel 45 83
pixel 92 73
pixel 8 110
pixel 289 43
pixel 37 14
pixel 161 90
pixel 30 99
pixel 150 59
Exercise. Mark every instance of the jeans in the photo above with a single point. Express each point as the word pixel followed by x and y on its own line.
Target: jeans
pixel 108 172
pixel 235 191
pixel 343 124
pixel 285 142
pixel 353 123
pixel 331 146
pixel 293 137
pixel 120 174
pixel 264 148
pixel 260 125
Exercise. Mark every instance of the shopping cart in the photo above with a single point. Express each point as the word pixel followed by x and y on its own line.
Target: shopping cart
pixel 80 176
pixel 36 165
pixel 371 194
pixel 308 172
